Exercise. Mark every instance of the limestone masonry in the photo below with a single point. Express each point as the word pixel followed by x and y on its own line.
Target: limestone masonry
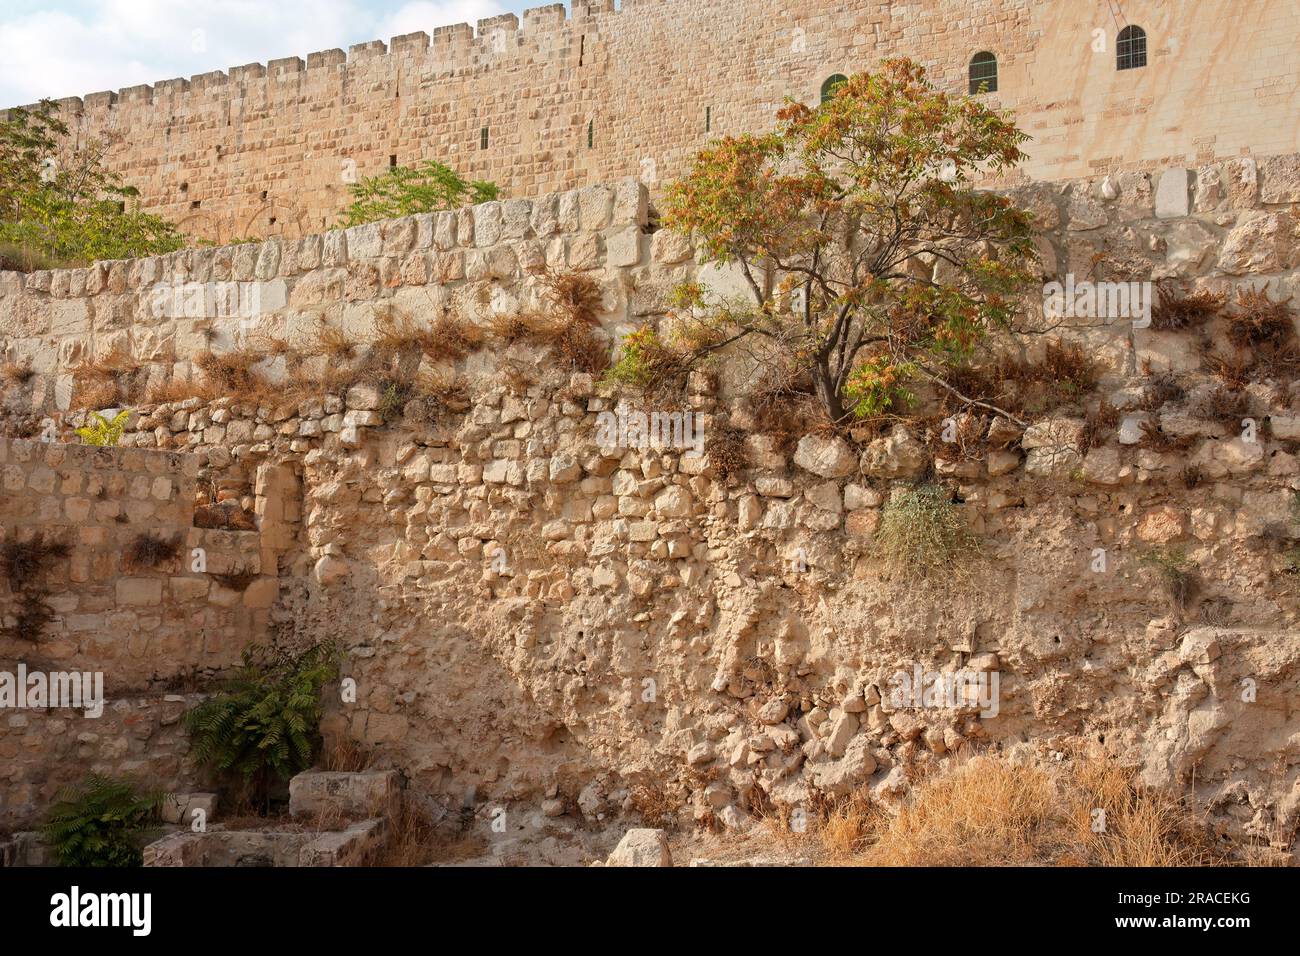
pixel 507 588
pixel 554 102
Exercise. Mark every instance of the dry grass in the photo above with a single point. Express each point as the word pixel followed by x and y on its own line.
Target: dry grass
pixel 226 516
pixel 148 550
pixel 22 562
pixel 726 451
pixel 105 382
pixel 1064 376
pixel 237 579
pixel 1222 404
pixel 174 390
pixel 990 811
pixel 568 325
pixel 234 374
pixel 343 755
pixel 1174 311
pixel 17 372
pixel 22 565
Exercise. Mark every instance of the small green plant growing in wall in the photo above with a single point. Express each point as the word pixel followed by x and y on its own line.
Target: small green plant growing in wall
pixel 923 533
pixel 262 726
pixel 101 431
pixel 429 186
pixel 1175 572
pixel 100 822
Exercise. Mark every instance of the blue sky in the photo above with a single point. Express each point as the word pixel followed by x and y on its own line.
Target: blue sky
pixel 73 47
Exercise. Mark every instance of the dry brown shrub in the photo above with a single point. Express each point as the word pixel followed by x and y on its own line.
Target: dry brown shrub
pixel 785 407
pixel 108 381
pixel 17 372
pixel 148 550
pixel 1064 376
pixel 451 338
pixel 1098 424
pixel 1155 439
pixel 1222 404
pixel 333 343
pixel 234 374
pixel 656 806
pixel 226 516
pixel 568 325
pixel 1258 321
pixel 1174 311
pixel 236 579
pixel 176 390
pixel 726 451
pixel 1161 388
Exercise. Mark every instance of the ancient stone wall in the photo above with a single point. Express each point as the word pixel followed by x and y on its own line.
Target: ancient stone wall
pixel 151 629
pixel 534 615
pixel 552 103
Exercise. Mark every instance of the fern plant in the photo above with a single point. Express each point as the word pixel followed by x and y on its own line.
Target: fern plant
pixel 263 724
pixel 103 432
pixel 101 821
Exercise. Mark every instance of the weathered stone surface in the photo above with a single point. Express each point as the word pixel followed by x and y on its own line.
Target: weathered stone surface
pixel 898 455
pixel 825 457
pixel 642 847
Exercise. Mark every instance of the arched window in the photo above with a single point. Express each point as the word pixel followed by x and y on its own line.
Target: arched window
pixel 983 73
pixel 832 81
pixel 1131 48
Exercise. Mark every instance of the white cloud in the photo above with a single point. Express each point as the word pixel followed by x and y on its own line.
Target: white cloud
pixel 127 42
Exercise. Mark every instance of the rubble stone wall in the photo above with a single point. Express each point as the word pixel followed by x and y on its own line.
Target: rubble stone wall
pixel 150 630
pixel 533 615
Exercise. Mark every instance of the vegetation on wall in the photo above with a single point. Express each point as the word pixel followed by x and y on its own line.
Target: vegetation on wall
pixel 103 432
pixel 101 822
pixel 429 186
pixel 871 260
pixel 923 533
pixel 60 207
pixel 262 726
pixel 23 565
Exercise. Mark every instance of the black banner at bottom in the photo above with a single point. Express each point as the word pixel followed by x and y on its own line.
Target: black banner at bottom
pixel 336 905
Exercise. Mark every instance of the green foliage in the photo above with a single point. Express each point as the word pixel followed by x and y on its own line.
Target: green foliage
pixel 263 724
pixel 100 822
pixel 430 186
pixel 922 533
pixel 641 354
pixel 68 211
pixel 103 432
pixel 878 385
pixel 862 237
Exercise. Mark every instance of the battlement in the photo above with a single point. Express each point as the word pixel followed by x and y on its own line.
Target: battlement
pixel 452 47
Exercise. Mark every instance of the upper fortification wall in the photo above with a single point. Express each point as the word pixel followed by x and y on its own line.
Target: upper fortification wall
pixel 556 101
